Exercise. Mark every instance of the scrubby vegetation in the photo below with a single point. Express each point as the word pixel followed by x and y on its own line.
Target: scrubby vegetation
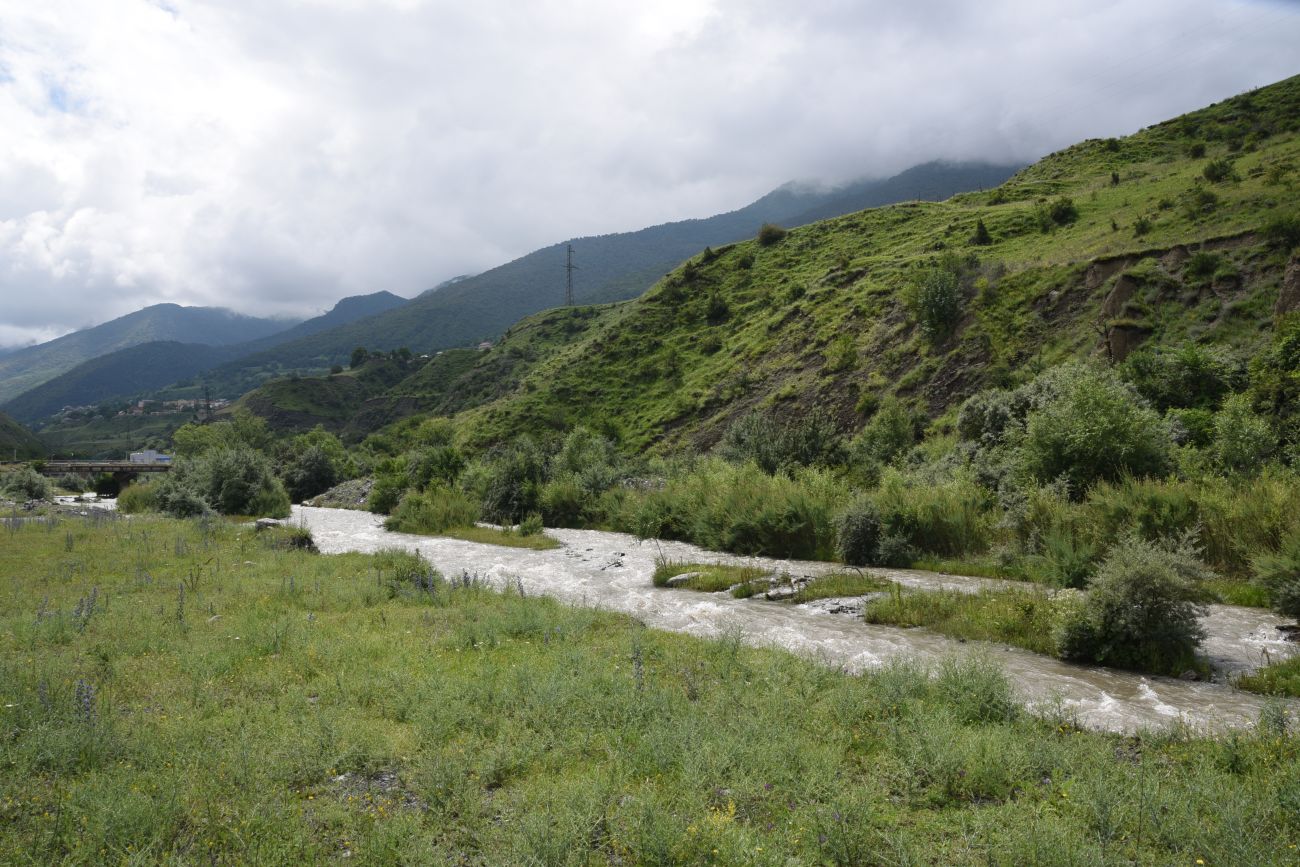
pixel 366 707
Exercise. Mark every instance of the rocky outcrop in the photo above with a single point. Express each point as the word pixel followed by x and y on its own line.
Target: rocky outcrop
pixel 1288 297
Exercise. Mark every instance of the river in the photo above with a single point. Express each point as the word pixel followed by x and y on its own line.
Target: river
pixel 613 571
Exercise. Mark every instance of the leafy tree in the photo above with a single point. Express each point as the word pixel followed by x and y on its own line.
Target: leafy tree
pixel 1089 425
pixel 359 357
pixel 1242 439
pixel 780 444
pixel 981 238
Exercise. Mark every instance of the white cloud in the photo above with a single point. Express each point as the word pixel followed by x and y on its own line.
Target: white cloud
pixel 272 156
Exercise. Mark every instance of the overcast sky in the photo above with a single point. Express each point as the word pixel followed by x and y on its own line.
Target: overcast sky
pixel 274 156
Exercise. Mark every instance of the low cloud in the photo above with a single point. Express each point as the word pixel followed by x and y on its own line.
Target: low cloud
pixel 273 157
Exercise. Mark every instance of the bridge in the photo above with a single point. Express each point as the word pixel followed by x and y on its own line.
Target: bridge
pixel 124 468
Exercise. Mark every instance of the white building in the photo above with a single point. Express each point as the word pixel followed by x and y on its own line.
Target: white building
pixel 150 456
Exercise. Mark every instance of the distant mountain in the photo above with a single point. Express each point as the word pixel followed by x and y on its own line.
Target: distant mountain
pixel 123 374
pixel 17 443
pixel 28 368
pixel 445 283
pixel 138 370
pixel 612 267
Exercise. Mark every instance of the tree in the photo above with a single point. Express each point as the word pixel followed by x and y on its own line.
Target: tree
pixel 981 238
pixel 359 357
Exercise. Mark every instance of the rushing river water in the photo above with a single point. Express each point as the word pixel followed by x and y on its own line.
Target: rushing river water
pixel 613 571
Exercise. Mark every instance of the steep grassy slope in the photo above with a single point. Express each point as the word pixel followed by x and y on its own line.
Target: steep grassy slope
pixel 28 368
pixel 613 267
pixel 1095 249
pixel 17 443
pixel 357 403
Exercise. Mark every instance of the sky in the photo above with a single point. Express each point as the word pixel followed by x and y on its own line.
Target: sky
pixel 273 156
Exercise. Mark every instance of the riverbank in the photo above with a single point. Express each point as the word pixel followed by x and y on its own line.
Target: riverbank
pixel 615 571
pixel 193 692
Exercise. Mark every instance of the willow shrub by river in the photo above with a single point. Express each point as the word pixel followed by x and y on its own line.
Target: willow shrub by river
pixel 182 690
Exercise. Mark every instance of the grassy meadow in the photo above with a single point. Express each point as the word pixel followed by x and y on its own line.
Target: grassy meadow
pixel 193 691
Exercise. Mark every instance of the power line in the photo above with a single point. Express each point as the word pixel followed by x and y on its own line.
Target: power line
pixel 569 268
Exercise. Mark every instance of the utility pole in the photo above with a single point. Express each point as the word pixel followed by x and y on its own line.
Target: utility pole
pixel 569 268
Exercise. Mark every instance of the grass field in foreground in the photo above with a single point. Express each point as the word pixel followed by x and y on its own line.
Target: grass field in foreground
pixel 185 692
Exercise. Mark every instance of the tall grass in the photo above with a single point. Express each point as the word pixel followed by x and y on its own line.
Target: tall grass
pixel 294 710
pixel 743 510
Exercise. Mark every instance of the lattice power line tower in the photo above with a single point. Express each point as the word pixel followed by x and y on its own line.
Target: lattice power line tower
pixel 569 268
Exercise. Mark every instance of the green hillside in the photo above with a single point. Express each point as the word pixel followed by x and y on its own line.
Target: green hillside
pixel 1178 232
pixel 123 374
pixel 27 368
pixel 384 391
pixel 613 267
pixel 17 443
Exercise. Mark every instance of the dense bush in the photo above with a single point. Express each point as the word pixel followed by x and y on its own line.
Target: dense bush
pixel 386 492
pixel 1279 574
pixel 434 465
pixel 783 443
pixel 935 300
pixel 744 510
pixel 1242 440
pixel 1189 375
pixel 1097 427
pixel 1219 170
pixel 943 516
pixel 233 481
pixel 25 482
pixel 857 534
pixel 433 511
pixel 891 432
pixel 1141 610
pixel 310 473
pixel 508 481
pixel 770 233
pixel 136 498
pixel 1283 231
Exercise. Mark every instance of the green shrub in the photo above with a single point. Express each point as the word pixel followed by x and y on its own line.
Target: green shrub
pixel 137 498
pixel 1061 211
pixel 936 302
pixel 1202 264
pixel 1217 171
pixel 1186 375
pixel 1141 610
pixel 564 503
pixel 1279 574
pixel 783 443
pixel 857 534
pixel 726 507
pixel 976 689
pixel 947 517
pixel 25 482
pixel 1142 226
pixel 431 512
pixel 406 572
pixel 239 481
pixel 178 494
pixel 1096 427
pixel 1242 439
pixel 531 525
pixel 981 238
pixel 311 472
pixel 434 465
pixel 509 481
pixel 891 432
pixel 985 416
pixel 770 233
pixel 1283 231
pixel 386 493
